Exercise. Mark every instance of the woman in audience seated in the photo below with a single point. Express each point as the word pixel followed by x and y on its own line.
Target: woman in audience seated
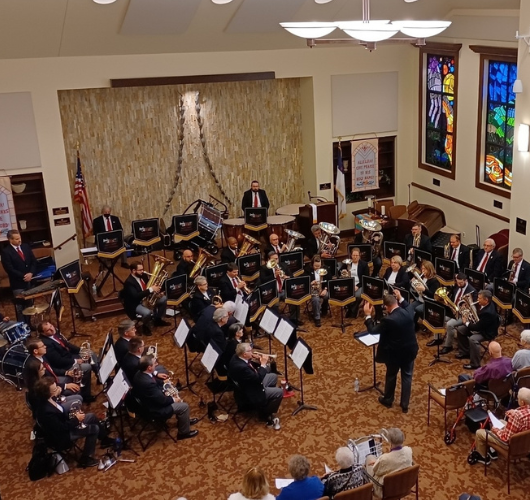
pixel 349 476
pixel 399 457
pixel 254 487
pixel 303 487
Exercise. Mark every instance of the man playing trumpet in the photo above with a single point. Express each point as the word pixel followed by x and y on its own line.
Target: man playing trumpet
pixel 319 289
pixel 230 285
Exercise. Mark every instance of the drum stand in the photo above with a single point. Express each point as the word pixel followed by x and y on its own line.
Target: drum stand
pixel 5 379
pixel 109 269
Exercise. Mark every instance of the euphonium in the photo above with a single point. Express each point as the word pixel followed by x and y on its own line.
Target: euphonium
pixel 202 260
pixel 249 242
pixel 441 296
pixel 157 278
pixel 291 240
pixel 372 235
pixel 417 280
pixel 467 308
pixel 316 286
pixel 329 233
pixel 346 273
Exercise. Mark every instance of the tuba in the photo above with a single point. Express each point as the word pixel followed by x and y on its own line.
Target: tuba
pixel 441 296
pixel 157 278
pixel 346 273
pixel 372 235
pixel 330 240
pixel 292 236
pixel 202 261
pixel 316 288
pixel 248 245
pixel 467 308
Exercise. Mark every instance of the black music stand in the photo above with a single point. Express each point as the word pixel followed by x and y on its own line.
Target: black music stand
pixel 214 274
pixel 332 265
pixel 186 227
pixel 503 295
pixel 255 218
pixel 110 247
pixel 71 275
pixel 255 308
pixel 146 233
pixel 420 256
pixel 179 337
pixel 249 266
pixel 342 294
pixel 283 332
pixel 373 291
pixel 433 320
pixel 521 308
pixel 269 293
pixel 211 355
pixel 445 271
pixel 297 291
pixel 475 278
pixel 370 340
pixel 299 356
pixel 294 262
pixel 392 248
pixel 176 293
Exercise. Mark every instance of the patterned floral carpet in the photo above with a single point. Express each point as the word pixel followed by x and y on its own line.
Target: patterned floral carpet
pixel 211 465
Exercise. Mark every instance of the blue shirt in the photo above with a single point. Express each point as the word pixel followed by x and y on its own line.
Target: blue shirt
pixel 309 488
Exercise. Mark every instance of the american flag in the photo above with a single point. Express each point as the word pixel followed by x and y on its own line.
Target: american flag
pixel 81 197
pixel 340 186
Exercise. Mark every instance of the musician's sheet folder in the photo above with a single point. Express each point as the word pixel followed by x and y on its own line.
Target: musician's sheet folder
pixel 209 358
pixel 369 339
pixel 299 354
pixel 269 321
pixel 107 365
pixel 181 333
pixel 283 331
pixel 118 389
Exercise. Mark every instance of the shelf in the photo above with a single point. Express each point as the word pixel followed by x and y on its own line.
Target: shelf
pixel 25 193
pixel 30 211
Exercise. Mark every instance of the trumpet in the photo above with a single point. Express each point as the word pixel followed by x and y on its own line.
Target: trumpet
pixel 85 353
pixel 273 264
pixel 346 273
pixel 316 286
pixel 246 289
pixel 152 350
pixel 258 355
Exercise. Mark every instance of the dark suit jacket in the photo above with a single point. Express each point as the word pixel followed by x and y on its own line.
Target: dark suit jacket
pixel 226 289
pixel 488 322
pixel 402 278
pixel 199 302
pixel 432 285
pixel 227 255
pixel 130 365
pixel 324 279
pixel 397 343
pixel 146 389
pixel 523 280
pixel 266 274
pixel 468 289
pixel 183 268
pixel 248 199
pixel 16 268
pixel 362 270
pixel 60 358
pixel 493 266
pixel 212 333
pixel 249 380
pixel 56 425
pixel 133 294
pixel 121 348
pixel 100 226
pixel 425 242
pixel 462 257
pixel 311 248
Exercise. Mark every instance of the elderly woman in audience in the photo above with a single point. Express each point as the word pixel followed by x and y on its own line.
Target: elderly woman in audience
pixel 254 487
pixel 521 358
pixel 399 457
pixel 303 487
pixel 349 475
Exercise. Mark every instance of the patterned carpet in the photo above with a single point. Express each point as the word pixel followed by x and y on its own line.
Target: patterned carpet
pixel 211 465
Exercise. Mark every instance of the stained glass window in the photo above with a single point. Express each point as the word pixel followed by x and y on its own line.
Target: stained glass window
pixel 439 109
pixel 499 121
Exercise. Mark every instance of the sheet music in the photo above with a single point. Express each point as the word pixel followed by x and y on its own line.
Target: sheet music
pixel 327 469
pixel 495 422
pixel 239 299
pixel 283 331
pixel 181 334
pixel 282 483
pixel 241 311
pixel 107 365
pixel 299 354
pixel 118 389
pixel 369 339
pixel 363 449
pixel 209 358
pixel 442 391
pixel 268 322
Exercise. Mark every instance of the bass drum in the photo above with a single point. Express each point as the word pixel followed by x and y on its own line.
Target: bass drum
pixel 13 362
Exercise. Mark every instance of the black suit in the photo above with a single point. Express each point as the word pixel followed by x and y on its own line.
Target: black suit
pixel 199 302
pixel 425 242
pixel 523 279
pixel 362 270
pixel 493 267
pixel 248 199
pixel 183 268
pixel 462 257
pixel 311 248
pixel 121 348
pixel 133 294
pixel 402 278
pixel 100 224
pixel 227 255
pixel 227 290
pixel 266 274
pixel 130 365
pixel 397 349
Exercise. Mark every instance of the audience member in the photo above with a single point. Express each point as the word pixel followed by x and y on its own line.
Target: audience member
pixel 254 487
pixel 349 475
pixel 303 486
pixel 521 359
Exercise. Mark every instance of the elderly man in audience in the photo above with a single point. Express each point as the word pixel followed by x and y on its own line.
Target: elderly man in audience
pixel 521 359
pixel 126 331
pixel 303 486
pixel 518 421
pixel 349 475
pixel 399 457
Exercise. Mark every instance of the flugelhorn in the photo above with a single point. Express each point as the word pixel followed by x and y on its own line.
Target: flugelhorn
pixel 316 286
pixel 273 264
pixel 85 353
pixel 346 273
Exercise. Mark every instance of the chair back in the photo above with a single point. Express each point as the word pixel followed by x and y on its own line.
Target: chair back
pixel 456 396
pixel 519 445
pixel 363 492
pixel 399 484
pixel 523 372
pixel 501 387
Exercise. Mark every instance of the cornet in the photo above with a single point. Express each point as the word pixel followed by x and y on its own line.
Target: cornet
pixel 346 273
pixel 85 353
pixel 316 286
pixel 152 350
pixel 245 288
pixel 258 355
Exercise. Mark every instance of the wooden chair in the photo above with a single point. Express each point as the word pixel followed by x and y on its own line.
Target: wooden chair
pixel 401 483
pixel 518 447
pixel 455 398
pixel 378 204
pixel 396 211
pixel 363 492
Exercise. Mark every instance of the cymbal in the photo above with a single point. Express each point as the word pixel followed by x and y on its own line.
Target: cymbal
pixel 31 311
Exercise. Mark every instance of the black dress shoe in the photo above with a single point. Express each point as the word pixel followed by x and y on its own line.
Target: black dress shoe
pixel 85 462
pixel 435 342
pixel 189 435
pixel 404 409
pixel 161 322
pixel 385 402
pixel 194 421
pixel 446 350
pixel 469 366
pixel 462 356
pixel 318 323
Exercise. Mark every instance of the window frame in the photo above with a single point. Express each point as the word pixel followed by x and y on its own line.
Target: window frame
pixel 443 49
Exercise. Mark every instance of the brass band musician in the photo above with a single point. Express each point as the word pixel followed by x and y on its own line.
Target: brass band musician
pixel 230 253
pixel 417 240
pixel 357 268
pixel 274 245
pixel 396 274
pixel 230 285
pixel 314 244
pixel 425 288
pixel 458 252
pixel 319 289
pixel 489 261
pixel 519 270
pixel 185 265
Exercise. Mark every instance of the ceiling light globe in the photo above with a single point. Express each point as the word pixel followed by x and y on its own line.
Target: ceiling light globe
pixel 322 1
pixel 421 29
pixel 309 29
pixel 221 2
pixel 104 2
pixel 371 31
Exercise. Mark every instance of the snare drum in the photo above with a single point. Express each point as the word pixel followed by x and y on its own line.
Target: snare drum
pixel 277 223
pixel 13 361
pixel 234 228
pixel 16 333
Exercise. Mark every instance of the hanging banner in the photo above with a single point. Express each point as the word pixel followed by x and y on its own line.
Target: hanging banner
pixel 8 219
pixel 365 165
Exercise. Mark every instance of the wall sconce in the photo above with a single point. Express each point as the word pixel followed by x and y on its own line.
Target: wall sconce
pixel 523 137
pixel 518 87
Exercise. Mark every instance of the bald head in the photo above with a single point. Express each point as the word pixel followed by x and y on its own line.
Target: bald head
pixel 232 242
pixel 495 349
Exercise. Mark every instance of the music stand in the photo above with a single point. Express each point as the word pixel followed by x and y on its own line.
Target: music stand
pixel 248 266
pixel 420 256
pixel 186 227
pixel 297 290
pixel 214 274
pixel 476 279
pixel 146 233
pixel 433 320
pixel 298 356
pixel 390 289
pixel 521 308
pixel 370 340
pixel 373 289
pixel 342 294
pixel 268 323
pixel 282 332
pixel 445 271
pixel 294 262
pixel 392 248
pixel 269 293
pixel 503 294
pixel 209 360
pixel 71 275
pixel 176 293
pixel 256 218
pixel 110 247
pixel 332 265
pixel 255 308
pixel 179 337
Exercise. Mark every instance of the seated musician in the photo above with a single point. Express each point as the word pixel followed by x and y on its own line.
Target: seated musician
pixel 356 269
pixel 60 428
pixel 233 339
pixel 108 222
pixel 212 331
pixel 135 290
pixel 201 297
pixel 471 333
pixel 5 322
pixel 230 253
pixel 461 288
pixel 396 275
pixel 131 361
pixel 458 252
pixel 429 277
pixel 319 290
pixel 157 403
pixel 274 245
pixel 20 265
pixel 126 331
pixel 519 271
pixel 254 197
pixel 257 385
pixel 314 244
pixel 417 240
pixel 185 265
pixel 63 355
pixel 489 261
pixel 230 285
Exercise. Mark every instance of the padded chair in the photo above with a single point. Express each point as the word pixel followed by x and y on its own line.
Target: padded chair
pixel 501 388
pixel 363 492
pixel 71 451
pixel 401 483
pixel 243 407
pixel 518 448
pixel 455 398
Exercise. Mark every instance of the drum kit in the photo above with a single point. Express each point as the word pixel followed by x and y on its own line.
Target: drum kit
pixel 14 353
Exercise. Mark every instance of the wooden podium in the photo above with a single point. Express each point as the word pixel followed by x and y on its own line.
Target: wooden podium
pixel 326 212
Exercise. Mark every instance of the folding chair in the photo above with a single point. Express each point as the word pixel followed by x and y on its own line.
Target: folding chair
pixel 363 492
pixel 243 407
pixel 401 483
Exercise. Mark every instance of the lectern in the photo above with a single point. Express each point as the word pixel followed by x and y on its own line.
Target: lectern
pixel 325 212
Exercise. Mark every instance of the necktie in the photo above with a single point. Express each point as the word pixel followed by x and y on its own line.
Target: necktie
pixel 234 283
pixel 21 255
pixel 279 281
pixel 59 340
pixel 108 223
pixel 252 366
pixel 483 263
pixel 276 249
pixel 48 368
pixel 458 295
pixel 142 284
pixel 514 271
pixel 454 254
pixel 255 199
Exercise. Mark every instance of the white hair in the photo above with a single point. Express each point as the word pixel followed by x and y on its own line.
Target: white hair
pixel 344 457
pixel 491 242
pixel 524 395
pixel 229 306
pixel 525 336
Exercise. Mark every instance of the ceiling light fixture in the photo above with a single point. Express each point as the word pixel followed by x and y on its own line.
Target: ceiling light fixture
pixel 367 31
pixel 221 2
pixel 104 2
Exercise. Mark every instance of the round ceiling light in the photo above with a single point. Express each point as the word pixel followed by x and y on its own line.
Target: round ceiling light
pixel 221 2
pixel 309 29
pixel 370 31
pixel 322 1
pixel 421 29
pixel 104 2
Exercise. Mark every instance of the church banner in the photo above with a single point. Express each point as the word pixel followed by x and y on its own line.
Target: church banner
pixel 365 162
